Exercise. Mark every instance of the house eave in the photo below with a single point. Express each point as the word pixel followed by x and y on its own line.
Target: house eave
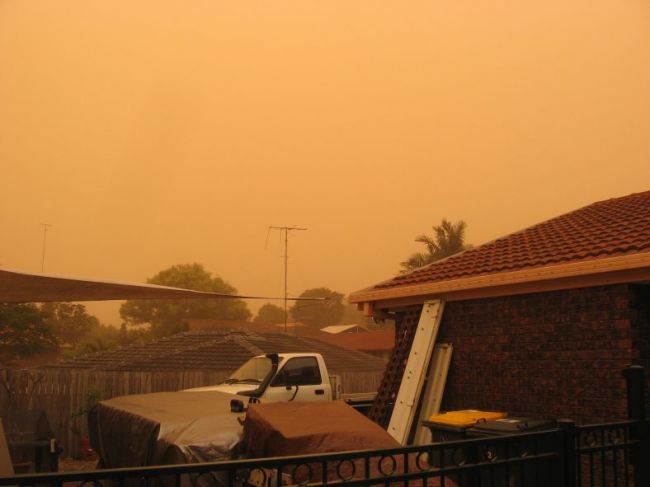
pixel 594 272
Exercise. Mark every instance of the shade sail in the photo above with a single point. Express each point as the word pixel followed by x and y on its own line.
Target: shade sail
pixel 22 287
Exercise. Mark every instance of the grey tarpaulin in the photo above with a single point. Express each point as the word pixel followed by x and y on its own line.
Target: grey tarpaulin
pixel 164 427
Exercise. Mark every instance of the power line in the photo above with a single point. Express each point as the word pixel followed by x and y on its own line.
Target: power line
pixel 286 264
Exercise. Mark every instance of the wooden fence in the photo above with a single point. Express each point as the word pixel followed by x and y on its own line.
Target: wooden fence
pixel 65 394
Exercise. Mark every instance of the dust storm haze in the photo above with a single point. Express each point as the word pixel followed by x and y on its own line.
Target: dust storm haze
pixel 158 133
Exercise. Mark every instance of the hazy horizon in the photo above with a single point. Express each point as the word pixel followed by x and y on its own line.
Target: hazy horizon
pixel 150 134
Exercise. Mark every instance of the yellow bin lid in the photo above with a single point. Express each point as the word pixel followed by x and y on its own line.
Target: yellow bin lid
pixel 466 417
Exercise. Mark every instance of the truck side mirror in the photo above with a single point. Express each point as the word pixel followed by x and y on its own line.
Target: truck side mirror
pixel 290 380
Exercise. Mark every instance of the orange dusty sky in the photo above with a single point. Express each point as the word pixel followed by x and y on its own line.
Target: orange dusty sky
pixel 153 133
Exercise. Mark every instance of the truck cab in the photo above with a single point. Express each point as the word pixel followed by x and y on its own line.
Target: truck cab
pixel 279 377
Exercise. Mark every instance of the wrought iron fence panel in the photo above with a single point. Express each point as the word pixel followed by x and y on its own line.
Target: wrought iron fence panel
pixel 518 460
pixel 604 453
pixel 594 455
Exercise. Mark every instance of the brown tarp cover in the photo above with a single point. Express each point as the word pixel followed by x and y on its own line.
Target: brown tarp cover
pixel 295 428
pixel 303 428
pixel 164 428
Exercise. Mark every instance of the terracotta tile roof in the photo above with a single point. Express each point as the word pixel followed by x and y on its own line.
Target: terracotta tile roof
pixel 220 350
pixel 609 228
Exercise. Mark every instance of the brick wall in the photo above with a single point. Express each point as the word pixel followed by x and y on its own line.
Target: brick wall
pixel 554 354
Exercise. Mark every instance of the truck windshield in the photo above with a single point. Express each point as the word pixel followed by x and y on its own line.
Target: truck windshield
pixel 254 371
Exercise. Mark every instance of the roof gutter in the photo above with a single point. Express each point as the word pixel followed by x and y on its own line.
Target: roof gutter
pixel 595 272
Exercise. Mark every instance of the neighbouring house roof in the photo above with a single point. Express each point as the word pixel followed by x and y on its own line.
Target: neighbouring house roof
pixel 220 350
pixel 198 324
pixel 605 242
pixel 335 329
pixel 290 324
pixel 372 341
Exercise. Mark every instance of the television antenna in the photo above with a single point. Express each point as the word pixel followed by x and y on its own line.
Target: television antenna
pixel 45 227
pixel 286 231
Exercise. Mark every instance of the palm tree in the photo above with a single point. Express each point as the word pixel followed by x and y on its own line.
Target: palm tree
pixel 448 239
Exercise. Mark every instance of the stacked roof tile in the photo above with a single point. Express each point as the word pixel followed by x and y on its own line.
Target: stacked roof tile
pixel 220 350
pixel 609 228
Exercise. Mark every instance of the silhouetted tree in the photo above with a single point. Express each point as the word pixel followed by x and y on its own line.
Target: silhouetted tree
pixel 168 316
pixel 448 239
pixel 319 313
pixel 23 332
pixel 69 322
pixel 104 337
pixel 269 314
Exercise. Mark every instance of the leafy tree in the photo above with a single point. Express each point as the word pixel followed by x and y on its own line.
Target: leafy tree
pixel 69 322
pixel 319 313
pixel 168 316
pixel 103 337
pixel 269 314
pixel 448 239
pixel 23 332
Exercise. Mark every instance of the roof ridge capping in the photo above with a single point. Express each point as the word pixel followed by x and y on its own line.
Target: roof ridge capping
pixel 613 230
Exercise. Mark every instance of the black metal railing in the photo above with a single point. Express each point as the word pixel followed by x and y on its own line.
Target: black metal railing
pixel 527 459
pixel 602 454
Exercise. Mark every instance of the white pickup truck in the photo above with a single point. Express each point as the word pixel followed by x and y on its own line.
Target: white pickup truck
pixel 278 377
